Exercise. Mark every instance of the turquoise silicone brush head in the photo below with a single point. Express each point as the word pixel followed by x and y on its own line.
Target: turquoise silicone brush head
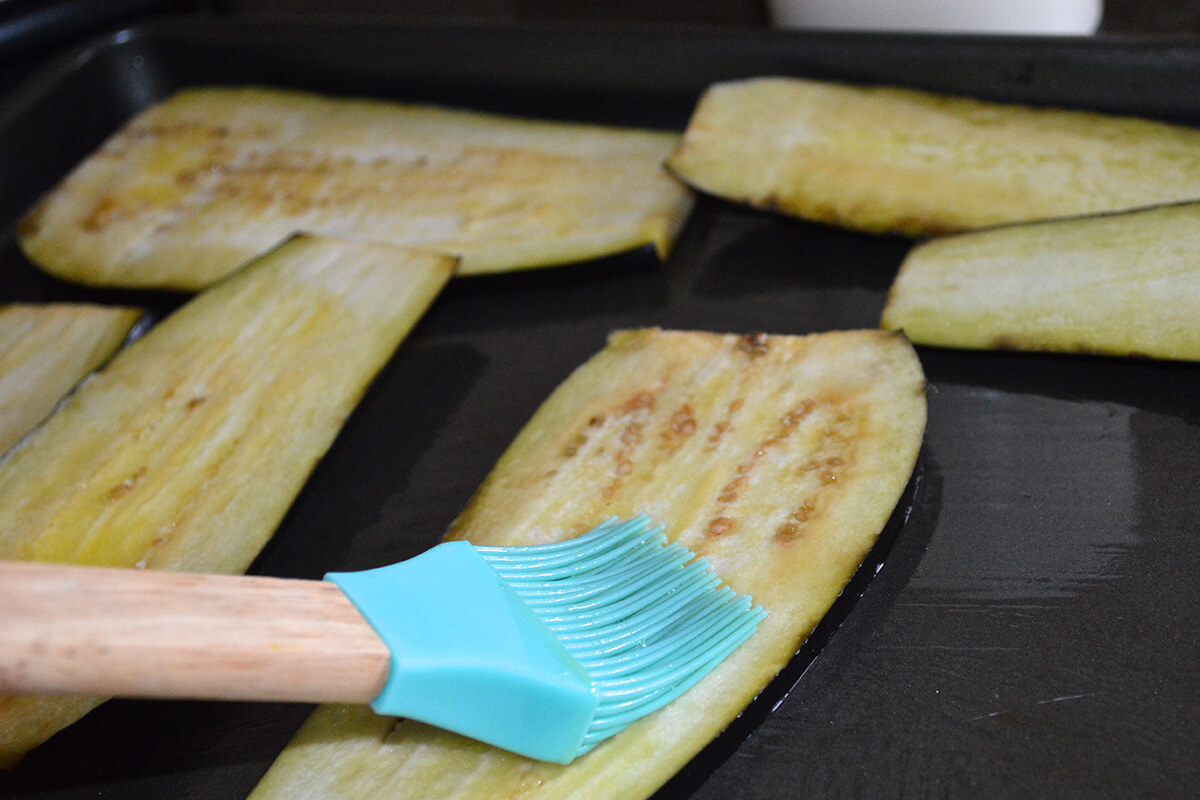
pixel 547 650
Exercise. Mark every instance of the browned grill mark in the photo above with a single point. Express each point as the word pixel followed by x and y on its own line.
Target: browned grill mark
pixel 719 526
pixel 683 421
pixel 291 182
pixel 105 212
pixel 126 486
pixel 573 447
pixel 640 401
pixel 787 424
pixel 631 434
pixel 152 551
pixel 1005 342
pixel 830 468
pixel 787 531
pixel 730 492
pixel 754 344
pixel 800 413
pixel 829 462
pixel 159 130
pixel 720 429
pixel 630 438
pixel 285 177
pixel 793 525
pixel 680 426
pixel 31 223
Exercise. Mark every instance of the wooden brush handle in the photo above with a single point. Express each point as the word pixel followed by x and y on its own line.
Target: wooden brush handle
pixel 143 633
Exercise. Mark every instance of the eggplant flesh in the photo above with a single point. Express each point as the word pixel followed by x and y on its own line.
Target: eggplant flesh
pixel 779 458
pixel 887 159
pixel 1123 284
pixel 212 177
pixel 186 450
pixel 47 348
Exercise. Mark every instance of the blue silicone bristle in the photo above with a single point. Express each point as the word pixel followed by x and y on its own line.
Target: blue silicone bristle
pixel 547 650
pixel 645 618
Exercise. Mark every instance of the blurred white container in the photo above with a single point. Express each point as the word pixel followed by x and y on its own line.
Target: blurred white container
pixel 1078 17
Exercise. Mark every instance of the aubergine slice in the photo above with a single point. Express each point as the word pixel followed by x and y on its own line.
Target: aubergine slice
pixel 45 349
pixel 211 177
pixel 885 159
pixel 1123 284
pixel 779 458
pixel 187 448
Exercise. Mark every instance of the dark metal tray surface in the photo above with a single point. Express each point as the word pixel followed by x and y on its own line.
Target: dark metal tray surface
pixel 1028 625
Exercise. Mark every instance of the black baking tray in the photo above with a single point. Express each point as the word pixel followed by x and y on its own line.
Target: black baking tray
pixel 1027 626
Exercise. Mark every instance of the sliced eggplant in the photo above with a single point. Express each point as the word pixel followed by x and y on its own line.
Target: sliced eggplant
pixel 779 458
pixel 187 449
pixel 45 349
pixel 194 186
pixel 892 160
pixel 1118 284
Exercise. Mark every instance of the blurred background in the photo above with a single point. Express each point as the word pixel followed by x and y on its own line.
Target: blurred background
pixel 25 17
pixel 1150 17
pixel 34 30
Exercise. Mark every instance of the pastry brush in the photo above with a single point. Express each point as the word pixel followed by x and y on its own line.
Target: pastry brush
pixel 544 650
